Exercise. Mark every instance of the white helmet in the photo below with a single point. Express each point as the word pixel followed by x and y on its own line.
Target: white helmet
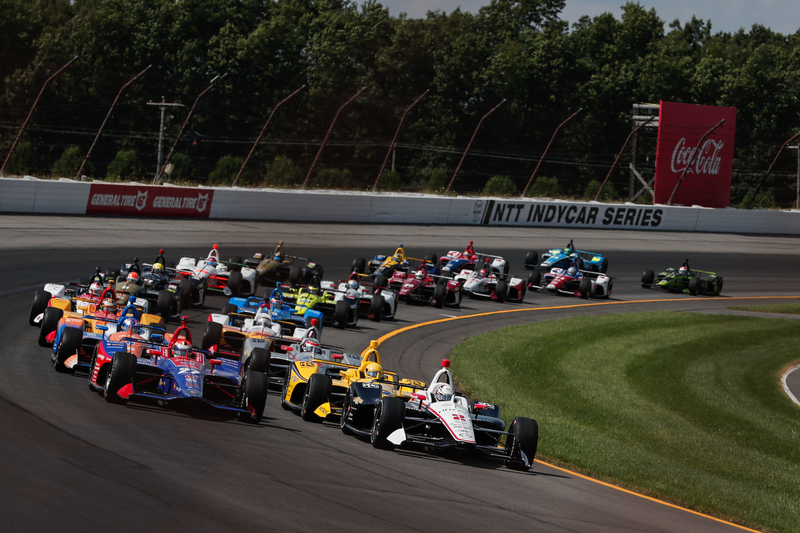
pixel 311 345
pixel 572 271
pixel 263 320
pixel 352 284
pixel 444 393
pixel 96 289
pixel 181 348
pixel 420 274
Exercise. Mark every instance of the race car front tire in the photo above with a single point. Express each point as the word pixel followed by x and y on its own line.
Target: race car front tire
pixel 359 265
pixel 523 436
pixel 52 315
pixel 648 276
pixel 235 283
pixel 346 406
pixel 439 293
pixel 71 340
pixel 501 290
pixel 585 288
pixel 340 313
pixel 318 392
pixel 376 308
pixel 256 385
pixel 380 283
pixel 123 367
pixel 694 285
pixel 534 280
pixel 295 275
pixel 211 335
pixel 164 305
pixel 389 416
pixel 532 259
pixel 260 360
pixel 185 288
pixel 40 300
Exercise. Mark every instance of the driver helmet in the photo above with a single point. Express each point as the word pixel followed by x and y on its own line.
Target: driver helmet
pixel 158 268
pixel 352 284
pixel 311 345
pixel 109 306
pixel 133 277
pixel 419 274
pixel 444 393
pixel 374 370
pixel 278 257
pixel 130 325
pixel 569 249
pixel 263 321
pixel 276 303
pixel 96 288
pixel 313 289
pixel 211 261
pixel 683 270
pixel 572 271
pixel 181 348
pixel 258 256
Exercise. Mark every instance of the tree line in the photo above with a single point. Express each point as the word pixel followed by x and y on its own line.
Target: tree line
pixel 517 50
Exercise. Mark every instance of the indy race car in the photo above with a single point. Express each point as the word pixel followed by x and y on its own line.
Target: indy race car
pixel 177 372
pixel 423 287
pixel 456 261
pixel 80 294
pixel 387 265
pixel 282 268
pixel 493 281
pixel 375 302
pixel 436 417
pixel 563 258
pixel 211 274
pixel 572 281
pixel 685 279
pixel 341 313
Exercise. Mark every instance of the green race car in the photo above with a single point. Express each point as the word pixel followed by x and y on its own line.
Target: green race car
pixel 685 279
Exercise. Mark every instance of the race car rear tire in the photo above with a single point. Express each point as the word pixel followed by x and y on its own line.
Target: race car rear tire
pixel 376 308
pixel 381 282
pixel 585 288
pixel 648 276
pixel 123 367
pixel 501 290
pixel 604 268
pixel 531 259
pixel 608 289
pixel 523 436
pixel 52 315
pixel 256 385
pixel 71 340
pixel 285 390
pixel 40 300
pixel 237 267
pixel 719 286
pixel 389 416
pixel 359 265
pixel 694 285
pixel 346 406
pixel 164 305
pixel 534 280
pixel 185 288
pixel 318 392
pixel 235 283
pixel 340 313
pixel 229 308
pixel 295 275
pixel 439 293
pixel 211 335
pixel 260 360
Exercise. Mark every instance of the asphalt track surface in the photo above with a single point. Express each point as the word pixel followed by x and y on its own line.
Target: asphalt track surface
pixel 72 462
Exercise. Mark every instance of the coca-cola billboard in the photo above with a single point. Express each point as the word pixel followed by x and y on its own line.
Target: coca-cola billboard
pixel 143 200
pixel 707 181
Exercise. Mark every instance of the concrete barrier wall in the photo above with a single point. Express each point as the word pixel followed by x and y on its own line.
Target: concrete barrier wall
pixel 30 195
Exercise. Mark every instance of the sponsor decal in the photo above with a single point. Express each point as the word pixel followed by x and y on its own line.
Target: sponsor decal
pixel 143 200
pixel 566 214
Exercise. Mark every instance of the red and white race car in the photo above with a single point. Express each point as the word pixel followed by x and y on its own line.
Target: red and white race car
pixel 572 281
pixel 200 275
pixel 423 287
pixel 493 281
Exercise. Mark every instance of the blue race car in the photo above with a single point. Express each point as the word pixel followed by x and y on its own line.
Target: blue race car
pixel 563 258
pixel 287 314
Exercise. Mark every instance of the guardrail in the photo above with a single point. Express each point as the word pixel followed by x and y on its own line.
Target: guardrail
pixel 31 195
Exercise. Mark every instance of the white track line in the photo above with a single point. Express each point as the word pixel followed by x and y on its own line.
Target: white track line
pixel 786 388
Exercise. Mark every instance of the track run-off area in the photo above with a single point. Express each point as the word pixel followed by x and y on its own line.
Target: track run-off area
pixel 73 462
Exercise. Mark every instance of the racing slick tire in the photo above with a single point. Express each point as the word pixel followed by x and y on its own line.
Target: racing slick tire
pixel 237 266
pixel 439 294
pixel 317 393
pixel 718 290
pixel 185 289
pixel 259 360
pixel 359 265
pixel 599 291
pixel 340 313
pixel 285 390
pixel 531 259
pixel 70 344
pixel 211 335
pixel 604 267
pixel 295 275
pixel 389 416
pixel 40 300
pixel 256 386
pixel 585 288
pixel 235 283
pixel 123 367
pixel 346 407
pixel 229 308
pixel 52 315
pixel 648 276
pixel 534 280
pixel 501 290
pixel 376 308
pixel 523 435
pixel 381 282
pixel 694 285
pixel 164 305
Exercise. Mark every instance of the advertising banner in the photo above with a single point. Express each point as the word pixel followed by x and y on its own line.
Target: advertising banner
pixel 145 200
pixel 707 181
pixel 567 214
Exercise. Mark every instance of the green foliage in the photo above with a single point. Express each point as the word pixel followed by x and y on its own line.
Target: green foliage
pixel 125 166
pixel 390 181
pixel 763 200
pixel 334 178
pixel 21 160
pixel 70 162
pixel 500 186
pixel 226 170
pixel 545 187
pixel 438 180
pixel 283 173
pixel 608 194
pixel 181 168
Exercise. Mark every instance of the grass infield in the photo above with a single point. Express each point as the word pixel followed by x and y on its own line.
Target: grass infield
pixel 789 309
pixel 685 407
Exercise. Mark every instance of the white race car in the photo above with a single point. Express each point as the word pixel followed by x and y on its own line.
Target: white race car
pixel 375 302
pixel 229 277
pixel 493 281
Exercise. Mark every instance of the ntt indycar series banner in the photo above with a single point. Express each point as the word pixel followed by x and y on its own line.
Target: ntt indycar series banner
pixel 564 214
pixel 143 200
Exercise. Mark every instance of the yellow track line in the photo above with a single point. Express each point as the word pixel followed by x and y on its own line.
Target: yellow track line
pixel 527 309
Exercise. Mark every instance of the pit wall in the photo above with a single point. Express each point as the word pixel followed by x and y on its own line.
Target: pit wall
pixel 31 195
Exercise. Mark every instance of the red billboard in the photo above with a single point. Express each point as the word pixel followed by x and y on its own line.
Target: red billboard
pixel 145 200
pixel 707 181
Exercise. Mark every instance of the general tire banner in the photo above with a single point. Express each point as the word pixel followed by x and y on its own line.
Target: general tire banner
pixel 565 214
pixel 707 181
pixel 144 200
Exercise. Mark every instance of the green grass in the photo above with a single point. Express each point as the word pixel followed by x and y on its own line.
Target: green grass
pixel 789 309
pixel 685 407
